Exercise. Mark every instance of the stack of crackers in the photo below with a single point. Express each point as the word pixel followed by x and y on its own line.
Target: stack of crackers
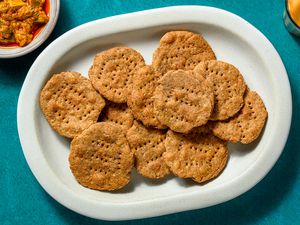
pixel 174 116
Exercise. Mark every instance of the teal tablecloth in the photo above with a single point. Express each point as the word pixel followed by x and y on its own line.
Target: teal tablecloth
pixel 275 200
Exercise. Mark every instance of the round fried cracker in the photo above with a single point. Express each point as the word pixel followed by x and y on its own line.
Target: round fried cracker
pixel 182 101
pixel 100 157
pixel 119 114
pixel 246 125
pixel 70 103
pixel 198 155
pixel 181 50
pixel 112 71
pixel 141 99
pixel 228 86
pixel 148 147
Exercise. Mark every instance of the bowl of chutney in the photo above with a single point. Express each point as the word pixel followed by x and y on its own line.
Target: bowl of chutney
pixel 25 25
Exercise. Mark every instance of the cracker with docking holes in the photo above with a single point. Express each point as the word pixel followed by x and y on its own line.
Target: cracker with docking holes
pixel 119 114
pixel 174 116
pixel 148 146
pixel 112 71
pixel 70 103
pixel 181 50
pixel 198 155
pixel 182 101
pixel 246 125
pixel 141 98
pixel 228 86
pixel 100 157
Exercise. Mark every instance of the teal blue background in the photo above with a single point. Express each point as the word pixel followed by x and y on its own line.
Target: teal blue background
pixel 275 200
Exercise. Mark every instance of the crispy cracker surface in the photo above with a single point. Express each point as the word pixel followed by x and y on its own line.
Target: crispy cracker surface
pixel 100 157
pixel 198 155
pixel 247 125
pixel 119 114
pixel 182 102
pixel 181 50
pixel 228 86
pixel 148 146
pixel 70 103
pixel 112 71
pixel 141 98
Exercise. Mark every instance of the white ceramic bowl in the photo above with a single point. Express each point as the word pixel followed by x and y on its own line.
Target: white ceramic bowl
pixel 39 39
pixel 233 40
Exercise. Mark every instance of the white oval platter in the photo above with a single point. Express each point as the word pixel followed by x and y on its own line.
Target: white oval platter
pixel 233 40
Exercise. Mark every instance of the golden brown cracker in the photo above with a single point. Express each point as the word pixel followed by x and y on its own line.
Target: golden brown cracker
pixel 70 103
pixel 100 157
pixel 181 50
pixel 199 155
pixel 148 147
pixel 141 98
pixel 182 101
pixel 119 114
pixel 246 125
pixel 112 71
pixel 228 86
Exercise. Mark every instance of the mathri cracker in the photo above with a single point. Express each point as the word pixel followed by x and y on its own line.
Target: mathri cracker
pixel 227 84
pixel 246 125
pixel 198 155
pixel 182 102
pixel 100 157
pixel 119 114
pixel 70 103
pixel 181 50
pixel 141 97
pixel 112 71
pixel 148 146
